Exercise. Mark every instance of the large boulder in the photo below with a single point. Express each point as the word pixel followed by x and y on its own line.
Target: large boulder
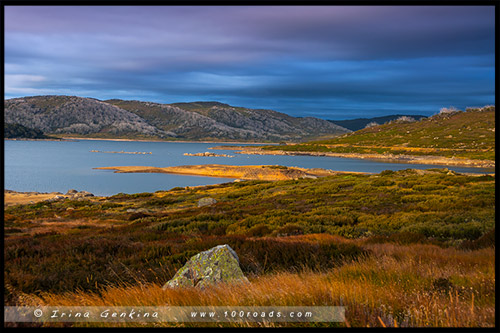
pixel 206 202
pixel 220 264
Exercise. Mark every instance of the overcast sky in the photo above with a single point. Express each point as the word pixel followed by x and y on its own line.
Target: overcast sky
pixel 333 62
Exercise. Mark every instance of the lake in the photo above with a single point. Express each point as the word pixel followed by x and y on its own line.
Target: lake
pixel 57 166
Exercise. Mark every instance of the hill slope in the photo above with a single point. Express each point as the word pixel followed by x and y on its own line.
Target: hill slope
pixel 88 117
pixel 215 121
pixel 12 131
pixel 360 123
pixel 76 115
pixel 469 134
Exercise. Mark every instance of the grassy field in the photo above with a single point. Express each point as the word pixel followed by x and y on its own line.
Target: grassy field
pixel 469 134
pixel 405 248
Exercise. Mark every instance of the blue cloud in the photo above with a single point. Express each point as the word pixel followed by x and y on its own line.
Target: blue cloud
pixel 332 62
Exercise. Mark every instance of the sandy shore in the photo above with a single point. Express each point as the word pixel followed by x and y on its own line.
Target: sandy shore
pixel 391 158
pixel 246 172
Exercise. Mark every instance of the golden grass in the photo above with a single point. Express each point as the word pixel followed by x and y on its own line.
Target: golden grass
pixel 393 286
pixel 19 198
pixel 247 172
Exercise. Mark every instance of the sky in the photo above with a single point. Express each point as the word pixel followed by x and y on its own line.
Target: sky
pixel 331 62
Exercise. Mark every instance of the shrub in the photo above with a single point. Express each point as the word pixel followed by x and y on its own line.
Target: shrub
pixel 289 230
pixel 259 230
pixel 486 240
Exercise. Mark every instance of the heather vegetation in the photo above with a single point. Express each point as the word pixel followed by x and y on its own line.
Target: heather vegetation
pixel 459 134
pixel 405 248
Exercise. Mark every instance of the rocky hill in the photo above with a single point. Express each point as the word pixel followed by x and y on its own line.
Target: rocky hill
pixel 214 120
pixel 78 116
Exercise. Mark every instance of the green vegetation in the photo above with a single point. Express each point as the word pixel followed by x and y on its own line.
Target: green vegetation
pixel 469 134
pixel 404 248
pixel 112 242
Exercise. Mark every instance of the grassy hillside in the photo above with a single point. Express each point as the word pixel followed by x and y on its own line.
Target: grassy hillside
pixel 469 134
pixel 397 248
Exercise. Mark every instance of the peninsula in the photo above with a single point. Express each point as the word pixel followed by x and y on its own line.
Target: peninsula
pixel 246 172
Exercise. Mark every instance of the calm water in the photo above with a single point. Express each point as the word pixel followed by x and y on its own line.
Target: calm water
pixel 48 166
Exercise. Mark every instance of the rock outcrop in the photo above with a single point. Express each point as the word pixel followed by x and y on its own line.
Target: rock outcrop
pixel 208 154
pixel 220 264
pixel 71 194
pixel 206 202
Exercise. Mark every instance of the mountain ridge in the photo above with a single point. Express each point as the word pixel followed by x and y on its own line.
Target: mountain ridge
pixel 197 121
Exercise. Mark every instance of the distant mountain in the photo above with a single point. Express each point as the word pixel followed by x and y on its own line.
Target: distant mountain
pixel 360 123
pixel 88 117
pixel 13 131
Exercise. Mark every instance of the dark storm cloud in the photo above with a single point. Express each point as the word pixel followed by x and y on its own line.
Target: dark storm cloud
pixel 325 61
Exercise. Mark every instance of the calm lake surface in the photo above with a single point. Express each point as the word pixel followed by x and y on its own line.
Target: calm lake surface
pixel 49 166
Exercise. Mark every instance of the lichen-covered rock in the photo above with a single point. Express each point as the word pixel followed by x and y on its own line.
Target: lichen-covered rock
pixel 206 202
pixel 220 264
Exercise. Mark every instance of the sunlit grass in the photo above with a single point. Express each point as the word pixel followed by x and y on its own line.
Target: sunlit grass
pixel 394 286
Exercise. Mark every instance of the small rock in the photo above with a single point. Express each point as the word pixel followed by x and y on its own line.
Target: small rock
pixel 206 202
pixel 139 210
pixel 220 264
pixel 71 192
pixel 82 194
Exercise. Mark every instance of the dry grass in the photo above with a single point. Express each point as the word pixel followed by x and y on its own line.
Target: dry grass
pixel 247 172
pixel 19 198
pixel 394 286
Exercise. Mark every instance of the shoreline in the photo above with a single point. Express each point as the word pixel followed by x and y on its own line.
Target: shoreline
pixel 171 141
pixel 13 197
pixel 242 172
pixel 391 158
pixel 139 140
